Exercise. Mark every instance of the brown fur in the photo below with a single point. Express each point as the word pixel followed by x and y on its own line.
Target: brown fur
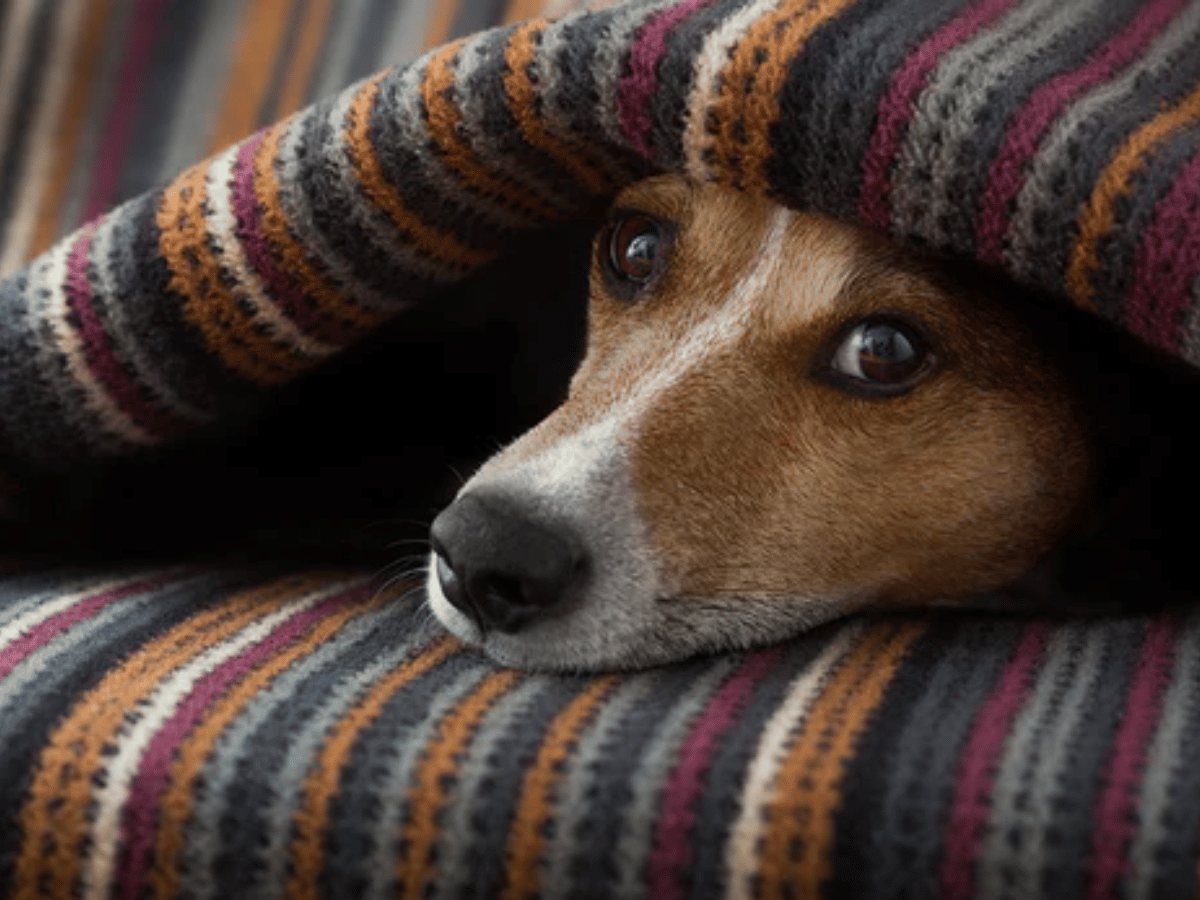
pixel 754 478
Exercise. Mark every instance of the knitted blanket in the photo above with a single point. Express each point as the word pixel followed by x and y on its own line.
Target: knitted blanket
pixel 212 731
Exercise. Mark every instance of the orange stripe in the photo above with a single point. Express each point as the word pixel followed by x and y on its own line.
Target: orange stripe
pixel 257 53
pixel 194 752
pixel 1098 217
pixel 313 28
pixel 312 819
pixel 444 121
pixel 535 808
pixel 760 61
pixel 55 819
pixel 522 97
pixel 291 256
pixel 444 248
pixel 209 306
pixel 438 30
pixel 798 836
pixel 415 866
pixel 86 57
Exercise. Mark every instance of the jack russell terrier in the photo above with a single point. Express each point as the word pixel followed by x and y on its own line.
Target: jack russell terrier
pixel 779 420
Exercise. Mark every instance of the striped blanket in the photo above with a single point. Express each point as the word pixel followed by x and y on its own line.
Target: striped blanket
pixel 236 730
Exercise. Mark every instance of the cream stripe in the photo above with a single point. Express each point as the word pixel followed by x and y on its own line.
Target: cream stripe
pixel 14 44
pixel 222 225
pixel 37 162
pixel 19 625
pixel 157 707
pixel 741 850
pixel 49 313
pixel 1164 764
pixel 706 83
pixel 114 232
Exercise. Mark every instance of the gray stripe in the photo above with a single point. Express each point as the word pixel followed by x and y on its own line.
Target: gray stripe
pixel 1062 174
pixel 357 641
pixel 373 808
pixel 955 125
pixel 1165 759
pixel 37 676
pixel 496 138
pixel 1039 747
pixel 476 778
pixel 636 827
pixel 476 15
pixel 20 594
pixel 194 116
pixel 612 53
pixel 267 875
pixel 154 370
pixel 581 785
pixel 918 775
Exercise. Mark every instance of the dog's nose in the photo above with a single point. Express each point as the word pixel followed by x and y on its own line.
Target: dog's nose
pixel 500 567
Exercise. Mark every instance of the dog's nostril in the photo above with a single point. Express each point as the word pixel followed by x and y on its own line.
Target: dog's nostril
pixel 498 566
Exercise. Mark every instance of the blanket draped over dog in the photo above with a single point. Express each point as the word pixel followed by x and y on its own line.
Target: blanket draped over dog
pixel 209 731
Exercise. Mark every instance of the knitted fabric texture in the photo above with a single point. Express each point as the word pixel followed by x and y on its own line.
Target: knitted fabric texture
pixel 1056 140
pixel 219 731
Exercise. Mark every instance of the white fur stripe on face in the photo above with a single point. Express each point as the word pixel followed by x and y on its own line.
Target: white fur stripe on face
pixel 731 321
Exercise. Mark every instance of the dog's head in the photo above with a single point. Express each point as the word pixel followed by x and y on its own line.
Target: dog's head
pixel 779 419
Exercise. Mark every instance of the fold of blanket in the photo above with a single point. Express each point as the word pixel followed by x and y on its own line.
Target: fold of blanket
pixel 1057 141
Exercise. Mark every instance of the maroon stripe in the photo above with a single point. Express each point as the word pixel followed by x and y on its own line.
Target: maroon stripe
pixel 973 787
pixel 898 102
pixel 281 287
pixel 44 632
pixel 1167 264
pixel 636 89
pixel 107 169
pixel 154 772
pixel 671 855
pixel 1115 808
pixel 1006 175
pixel 98 352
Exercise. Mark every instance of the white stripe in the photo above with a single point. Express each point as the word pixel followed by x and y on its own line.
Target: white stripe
pixel 147 719
pixel 222 225
pixel 48 314
pixel 706 82
pixel 36 163
pixel 18 626
pixel 741 851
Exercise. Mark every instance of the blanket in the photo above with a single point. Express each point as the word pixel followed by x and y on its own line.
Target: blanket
pixel 211 729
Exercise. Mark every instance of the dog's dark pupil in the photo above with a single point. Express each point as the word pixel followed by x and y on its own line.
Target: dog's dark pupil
pixel 636 248
pixel 886 354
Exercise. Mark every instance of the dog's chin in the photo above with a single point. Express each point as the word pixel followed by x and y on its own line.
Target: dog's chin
pixel 640 631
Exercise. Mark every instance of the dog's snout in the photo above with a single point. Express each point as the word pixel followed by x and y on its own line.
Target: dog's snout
pixel 499 566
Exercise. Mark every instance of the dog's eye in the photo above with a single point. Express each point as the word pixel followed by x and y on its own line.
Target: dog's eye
pixel 634 245
pixel 882 353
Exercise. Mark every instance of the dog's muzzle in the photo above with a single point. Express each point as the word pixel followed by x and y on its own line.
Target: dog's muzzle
pixel 501 568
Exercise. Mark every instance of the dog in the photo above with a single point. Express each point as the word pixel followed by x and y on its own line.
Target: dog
pixel 780 420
